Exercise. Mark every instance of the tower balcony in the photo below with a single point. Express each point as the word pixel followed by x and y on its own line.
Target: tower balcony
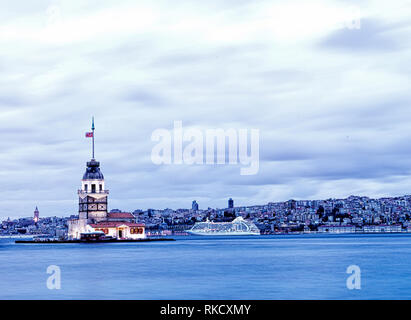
pixel 81 192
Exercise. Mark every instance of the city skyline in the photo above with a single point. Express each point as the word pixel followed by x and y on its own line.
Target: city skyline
pixel 207 208
pixel 351 215
pixel 333 119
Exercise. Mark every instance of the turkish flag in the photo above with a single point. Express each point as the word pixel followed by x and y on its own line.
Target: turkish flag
pixel 89 134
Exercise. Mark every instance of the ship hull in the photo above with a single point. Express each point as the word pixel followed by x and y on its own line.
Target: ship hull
pixel 196 233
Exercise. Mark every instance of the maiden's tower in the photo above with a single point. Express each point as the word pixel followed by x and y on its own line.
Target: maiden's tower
pixel 93 215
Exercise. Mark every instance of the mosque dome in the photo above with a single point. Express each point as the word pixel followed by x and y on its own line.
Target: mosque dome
pixel 93 171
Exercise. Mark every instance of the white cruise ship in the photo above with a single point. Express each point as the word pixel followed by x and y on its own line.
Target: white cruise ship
pixel 237 227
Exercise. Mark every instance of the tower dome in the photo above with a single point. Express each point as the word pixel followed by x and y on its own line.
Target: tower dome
pixel 93 171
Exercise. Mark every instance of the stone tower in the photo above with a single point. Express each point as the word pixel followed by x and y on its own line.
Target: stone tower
pixel 93 195
pixel 36 215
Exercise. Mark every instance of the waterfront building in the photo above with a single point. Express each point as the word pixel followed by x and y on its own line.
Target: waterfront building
pixel 93 215
pixel 382 228
pixel 120 230
pixel 336 229
pixel 230 203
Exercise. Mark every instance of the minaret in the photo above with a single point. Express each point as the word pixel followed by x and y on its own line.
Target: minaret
pixel 93 195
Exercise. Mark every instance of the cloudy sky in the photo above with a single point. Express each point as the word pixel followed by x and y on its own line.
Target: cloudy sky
pixel 331 100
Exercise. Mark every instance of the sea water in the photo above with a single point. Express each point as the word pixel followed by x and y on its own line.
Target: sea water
pixel 249 267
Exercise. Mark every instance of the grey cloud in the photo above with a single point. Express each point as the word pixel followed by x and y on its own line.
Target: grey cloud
pixel 145 97
pixel 373 35
pixel 329 123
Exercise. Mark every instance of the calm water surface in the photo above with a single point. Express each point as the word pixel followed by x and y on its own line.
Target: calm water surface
pixel 267 267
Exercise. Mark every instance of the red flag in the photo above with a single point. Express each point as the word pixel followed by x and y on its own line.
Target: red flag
pixel 89 134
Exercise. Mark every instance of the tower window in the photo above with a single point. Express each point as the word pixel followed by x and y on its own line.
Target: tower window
pixel 93 188
pixel 86 187
pixel 101 187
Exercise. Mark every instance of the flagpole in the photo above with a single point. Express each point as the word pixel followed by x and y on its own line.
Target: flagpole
pixel 92 128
